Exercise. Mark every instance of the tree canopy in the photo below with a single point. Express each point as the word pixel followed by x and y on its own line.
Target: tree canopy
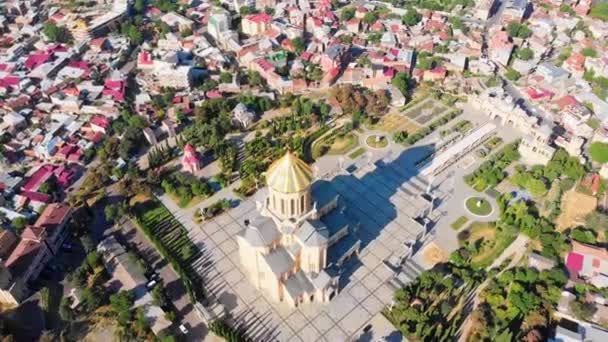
pixel 401 81
pixel 411 17
pixel 56 33
pixel 518 30
pixel 525 54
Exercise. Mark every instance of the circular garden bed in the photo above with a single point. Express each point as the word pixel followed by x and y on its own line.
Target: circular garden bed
pixel 478 206
pixel 376 141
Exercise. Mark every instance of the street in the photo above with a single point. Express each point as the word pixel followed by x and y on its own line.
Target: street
pixel 128 233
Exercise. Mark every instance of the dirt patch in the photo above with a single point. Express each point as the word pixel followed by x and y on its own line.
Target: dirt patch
pixel 394 122
pixel 101 332
pixel 484 231
pixel 139 198
pixel 432 254
pixel 575 206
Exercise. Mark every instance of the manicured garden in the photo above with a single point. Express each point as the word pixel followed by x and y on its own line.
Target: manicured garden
pixel 376 141
pixel 483 242
pixel 357 153
pixel 186 189
pixel 492 171
pixel 478 206
pixel 393 122
pixel 338 142
pixel 493 143
pixel 172 241
pixel 411 139
pixel 211 211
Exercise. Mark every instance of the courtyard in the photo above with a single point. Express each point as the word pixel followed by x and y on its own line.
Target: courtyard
pixel 381 192
pixel 380 201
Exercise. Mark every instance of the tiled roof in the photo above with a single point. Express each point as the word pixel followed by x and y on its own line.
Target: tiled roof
pixel 53 215
pixel 574 261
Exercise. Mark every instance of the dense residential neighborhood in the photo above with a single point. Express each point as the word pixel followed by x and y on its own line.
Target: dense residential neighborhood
pixel 299 170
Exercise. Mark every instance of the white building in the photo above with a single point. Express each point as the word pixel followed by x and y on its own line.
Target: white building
pixel 241 115
pixel 295 246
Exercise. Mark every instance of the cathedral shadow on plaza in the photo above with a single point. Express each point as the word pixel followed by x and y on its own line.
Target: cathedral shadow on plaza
pixel 386 203
pixel 388 194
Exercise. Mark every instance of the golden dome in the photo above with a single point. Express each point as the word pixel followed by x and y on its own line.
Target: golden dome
pixel 289 174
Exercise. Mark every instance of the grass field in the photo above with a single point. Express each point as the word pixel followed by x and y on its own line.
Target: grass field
pixel 376 141
pixel 459 222
pixel 357 153
pixel 478 206
pixel 485 242
pixel 172 241
pixel 334 145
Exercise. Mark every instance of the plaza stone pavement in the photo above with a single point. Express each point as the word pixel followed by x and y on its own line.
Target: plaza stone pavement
pixel 374 203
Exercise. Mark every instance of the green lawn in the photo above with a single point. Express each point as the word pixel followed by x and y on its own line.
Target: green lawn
pixel 334 144
pixel 459 222
pixel 478 206
pixel 357 153
pixel 380 143
pixel 485 242
pixel 487 257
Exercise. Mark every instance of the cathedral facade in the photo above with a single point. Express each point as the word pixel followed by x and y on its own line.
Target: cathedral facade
pixel 294 248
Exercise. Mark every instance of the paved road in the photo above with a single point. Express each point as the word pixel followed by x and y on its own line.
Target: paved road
pixel 128 232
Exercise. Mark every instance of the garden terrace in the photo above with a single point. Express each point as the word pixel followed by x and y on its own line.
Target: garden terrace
pixel 339 141
pixel 425 131
pixel 482 243
pixel 492 171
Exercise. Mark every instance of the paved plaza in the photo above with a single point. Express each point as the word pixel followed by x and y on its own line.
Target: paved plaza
pixel 376 202
pixel 382 196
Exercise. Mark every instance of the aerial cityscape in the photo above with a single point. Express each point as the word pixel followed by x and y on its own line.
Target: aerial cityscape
pixel 264 170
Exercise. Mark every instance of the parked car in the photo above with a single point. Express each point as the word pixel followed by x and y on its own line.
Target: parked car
pixel 67 246
pixel 151 284
pixel 183 329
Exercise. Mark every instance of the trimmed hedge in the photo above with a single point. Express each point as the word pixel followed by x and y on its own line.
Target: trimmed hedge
pixel 228 333
pixel 425 131
pixel 179 260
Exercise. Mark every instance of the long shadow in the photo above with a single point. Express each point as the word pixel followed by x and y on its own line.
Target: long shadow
pixel 373 195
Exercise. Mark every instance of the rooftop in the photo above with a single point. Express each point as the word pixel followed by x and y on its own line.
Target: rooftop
pixel 289 174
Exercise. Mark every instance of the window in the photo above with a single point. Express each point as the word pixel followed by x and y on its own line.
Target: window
pixel 302 204
pixel 293 207
pixel 283 206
